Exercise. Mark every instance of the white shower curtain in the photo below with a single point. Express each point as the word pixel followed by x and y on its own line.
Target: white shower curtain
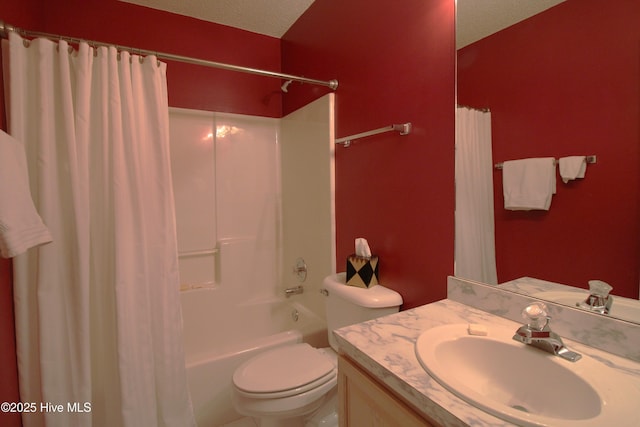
pixel 98 320
pixel 475 255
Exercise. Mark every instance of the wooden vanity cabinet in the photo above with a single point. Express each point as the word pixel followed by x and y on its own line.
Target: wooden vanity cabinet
pixel 364 402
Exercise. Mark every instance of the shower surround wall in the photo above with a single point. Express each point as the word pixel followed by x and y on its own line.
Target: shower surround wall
pixel 230 197
pixel 227 190
pixel 254 194
pixel 308 191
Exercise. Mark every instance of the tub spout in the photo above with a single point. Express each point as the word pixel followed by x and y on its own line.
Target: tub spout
pixel 293 291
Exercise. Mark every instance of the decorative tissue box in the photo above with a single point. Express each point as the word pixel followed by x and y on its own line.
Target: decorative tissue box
pixel 362 271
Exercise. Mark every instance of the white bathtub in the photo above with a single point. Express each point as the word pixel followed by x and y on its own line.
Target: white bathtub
pixel 218 339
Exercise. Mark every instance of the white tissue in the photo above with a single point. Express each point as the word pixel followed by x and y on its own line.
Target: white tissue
pixel 362 248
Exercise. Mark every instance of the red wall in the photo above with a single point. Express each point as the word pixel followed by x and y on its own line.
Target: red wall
pixel 566 82
pixel 394 65
pixel 8 368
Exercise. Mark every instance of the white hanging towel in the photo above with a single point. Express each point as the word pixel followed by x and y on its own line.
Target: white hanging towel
pixel 572 167
pixel 21 227
pixel 528 184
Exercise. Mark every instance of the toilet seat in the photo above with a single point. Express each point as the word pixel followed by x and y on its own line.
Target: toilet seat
pixel 284 371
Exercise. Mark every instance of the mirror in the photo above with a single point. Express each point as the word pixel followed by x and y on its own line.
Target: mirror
pixel 618 307
pixel 563 81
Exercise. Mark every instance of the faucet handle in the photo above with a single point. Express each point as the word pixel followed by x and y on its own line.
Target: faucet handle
pixel 600 288
pixel 536 315
pixel 599 299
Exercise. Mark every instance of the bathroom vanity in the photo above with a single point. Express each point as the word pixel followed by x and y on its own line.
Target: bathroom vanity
pixel 382 382
pixel 364 401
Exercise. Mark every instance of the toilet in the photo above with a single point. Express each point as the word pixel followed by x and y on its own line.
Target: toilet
pixel 295 385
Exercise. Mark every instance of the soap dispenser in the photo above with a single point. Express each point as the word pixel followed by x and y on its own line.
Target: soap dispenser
pixel 599 299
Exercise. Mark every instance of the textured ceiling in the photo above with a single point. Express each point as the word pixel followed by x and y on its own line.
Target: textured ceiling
pixel 270 17
pixel 475 20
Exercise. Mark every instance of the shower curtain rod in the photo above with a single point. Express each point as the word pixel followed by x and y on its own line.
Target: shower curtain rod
pixel 5 29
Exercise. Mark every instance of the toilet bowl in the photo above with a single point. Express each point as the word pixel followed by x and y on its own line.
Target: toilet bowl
pixel 295 385
pixel 289 382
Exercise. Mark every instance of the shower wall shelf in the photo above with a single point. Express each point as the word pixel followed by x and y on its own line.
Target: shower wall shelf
pixel 197 253
pixel 404 129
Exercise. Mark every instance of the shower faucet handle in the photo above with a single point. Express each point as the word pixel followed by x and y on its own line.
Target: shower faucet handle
pixel 300 270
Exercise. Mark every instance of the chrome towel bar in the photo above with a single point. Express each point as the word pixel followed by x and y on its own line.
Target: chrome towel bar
pixel 404 129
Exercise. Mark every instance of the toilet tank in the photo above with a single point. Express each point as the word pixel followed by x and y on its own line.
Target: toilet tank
pixel 346 305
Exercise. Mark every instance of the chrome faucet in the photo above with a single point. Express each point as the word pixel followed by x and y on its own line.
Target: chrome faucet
pixel 538 334
pixel 599 299
pixel 293 291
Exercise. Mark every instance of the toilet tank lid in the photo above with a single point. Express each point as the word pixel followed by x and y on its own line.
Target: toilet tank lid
pixel 374 297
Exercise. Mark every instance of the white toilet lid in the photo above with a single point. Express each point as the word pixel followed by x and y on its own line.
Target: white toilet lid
pixel 283 368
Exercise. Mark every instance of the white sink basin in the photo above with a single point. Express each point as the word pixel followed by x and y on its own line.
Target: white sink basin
pixel 622 308
pixel 525 385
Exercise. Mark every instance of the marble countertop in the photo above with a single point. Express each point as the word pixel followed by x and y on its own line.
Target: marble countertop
pixel 385 347
pixel 530 285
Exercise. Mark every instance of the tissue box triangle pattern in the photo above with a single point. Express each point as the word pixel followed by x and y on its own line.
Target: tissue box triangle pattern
pixel 362 271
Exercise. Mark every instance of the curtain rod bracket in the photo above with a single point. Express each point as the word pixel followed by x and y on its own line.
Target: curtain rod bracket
pixel 404 128
pixel 5 28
